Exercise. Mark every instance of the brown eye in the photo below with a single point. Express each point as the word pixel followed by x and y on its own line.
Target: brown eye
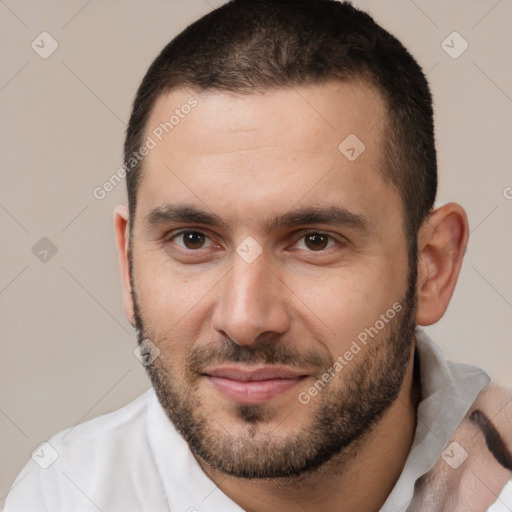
pixel 316 241
pixel 191 240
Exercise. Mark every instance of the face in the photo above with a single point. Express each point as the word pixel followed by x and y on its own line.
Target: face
pixel 270 269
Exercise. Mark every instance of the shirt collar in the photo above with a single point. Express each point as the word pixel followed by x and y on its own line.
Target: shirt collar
pixel 447 392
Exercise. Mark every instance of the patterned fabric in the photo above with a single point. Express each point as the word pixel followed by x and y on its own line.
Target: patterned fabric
pixel 476 466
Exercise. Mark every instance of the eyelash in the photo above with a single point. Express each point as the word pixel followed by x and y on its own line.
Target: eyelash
pixel 171 237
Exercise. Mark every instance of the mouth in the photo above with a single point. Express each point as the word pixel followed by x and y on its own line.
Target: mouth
pixel 253 385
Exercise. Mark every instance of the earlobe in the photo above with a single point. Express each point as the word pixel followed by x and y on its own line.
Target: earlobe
pixel 442 242
pixel 121 227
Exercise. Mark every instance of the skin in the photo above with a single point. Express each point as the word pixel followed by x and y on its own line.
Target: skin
pixel 246 158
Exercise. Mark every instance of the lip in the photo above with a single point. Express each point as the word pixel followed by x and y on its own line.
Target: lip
pixel 253 385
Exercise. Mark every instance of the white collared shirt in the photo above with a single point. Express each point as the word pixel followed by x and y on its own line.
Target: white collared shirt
pixel 133 459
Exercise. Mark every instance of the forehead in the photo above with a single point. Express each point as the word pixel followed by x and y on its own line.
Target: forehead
pixel 268 150
pixel 315 116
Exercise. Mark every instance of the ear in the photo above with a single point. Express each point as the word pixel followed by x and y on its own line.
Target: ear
pixel 442 243
pixel 121 226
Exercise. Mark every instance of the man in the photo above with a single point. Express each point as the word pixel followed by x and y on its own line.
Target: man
pixel 278 252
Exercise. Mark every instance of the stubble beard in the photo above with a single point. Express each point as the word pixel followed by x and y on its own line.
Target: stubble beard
pixel 344 415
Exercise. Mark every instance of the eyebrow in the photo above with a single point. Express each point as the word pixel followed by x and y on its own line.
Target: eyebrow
pixel 332 215
pixel 182 213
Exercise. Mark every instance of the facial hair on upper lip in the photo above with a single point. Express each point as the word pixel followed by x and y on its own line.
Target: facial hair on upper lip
pixel 268 352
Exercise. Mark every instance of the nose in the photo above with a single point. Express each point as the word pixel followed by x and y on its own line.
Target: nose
pixel 252 302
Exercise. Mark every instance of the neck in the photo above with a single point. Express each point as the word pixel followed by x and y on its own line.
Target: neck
pixel 361 478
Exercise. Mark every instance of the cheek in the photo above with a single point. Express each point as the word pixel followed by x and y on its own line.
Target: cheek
pixel 169 300
pixel 343 304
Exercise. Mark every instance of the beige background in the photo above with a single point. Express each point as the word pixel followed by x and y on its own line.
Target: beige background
pixel 66 345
